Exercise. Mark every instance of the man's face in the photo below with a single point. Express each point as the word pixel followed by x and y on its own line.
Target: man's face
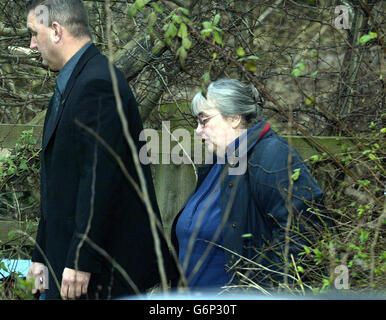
pixel 41 40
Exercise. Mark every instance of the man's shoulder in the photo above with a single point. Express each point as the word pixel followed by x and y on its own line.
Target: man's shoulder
pixel 97 67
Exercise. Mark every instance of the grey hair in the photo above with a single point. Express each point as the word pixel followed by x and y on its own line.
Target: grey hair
pixel 231 98
pixel 72 14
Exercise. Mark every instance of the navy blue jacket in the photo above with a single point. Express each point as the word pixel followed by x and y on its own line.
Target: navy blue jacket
pixel 254 205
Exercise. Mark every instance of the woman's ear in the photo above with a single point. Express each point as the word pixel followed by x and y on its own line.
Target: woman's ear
pixel 236 122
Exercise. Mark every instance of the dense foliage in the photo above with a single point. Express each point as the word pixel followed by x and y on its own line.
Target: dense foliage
pixel 320 76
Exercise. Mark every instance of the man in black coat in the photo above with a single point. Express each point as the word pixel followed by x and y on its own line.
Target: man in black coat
pixel 94 234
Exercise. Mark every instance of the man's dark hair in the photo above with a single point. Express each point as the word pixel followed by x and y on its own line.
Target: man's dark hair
pixel 72 14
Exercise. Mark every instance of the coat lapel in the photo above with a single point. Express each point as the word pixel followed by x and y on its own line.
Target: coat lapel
pixel 49 130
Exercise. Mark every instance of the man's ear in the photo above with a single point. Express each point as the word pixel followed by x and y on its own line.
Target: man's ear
pixel 57 32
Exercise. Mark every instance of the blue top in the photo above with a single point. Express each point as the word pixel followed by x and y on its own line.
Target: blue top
pixel 65 73
pixel 200 220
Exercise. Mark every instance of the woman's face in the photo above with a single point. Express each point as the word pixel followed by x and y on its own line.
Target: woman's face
pixel 216 131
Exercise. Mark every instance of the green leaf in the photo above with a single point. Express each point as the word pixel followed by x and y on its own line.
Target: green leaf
pixel 23 164
pixel 177 19
pixel 253 58
pixel 183 31
pixel 314 74
pixel 364 235
pixel 217 38
pixel 206 78
pixel 11 235
pixel 314 158
pixel 216 19
pixel 246 235
pixel 251 65
pixel 207 25
pixel 301 66
pixel 184 11
pixel 366 38
pixel 300 269
pixel 372 156
pixel 152 18
pixel 313 53
pixel 309 100
pixel 3 267
pixel 296 72
pixel 132 11
pixel 296 174
pixel 186 43
pixel 240 52
pixel 171 31
pixel 139 4
pixel 11 170
pixel 182 54
pixel 157 7
pixel 307 250
pixel 206 32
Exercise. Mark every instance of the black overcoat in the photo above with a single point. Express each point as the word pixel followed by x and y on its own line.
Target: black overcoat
pixel 85 191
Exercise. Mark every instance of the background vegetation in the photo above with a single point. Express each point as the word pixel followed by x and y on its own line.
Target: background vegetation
pixel 317 80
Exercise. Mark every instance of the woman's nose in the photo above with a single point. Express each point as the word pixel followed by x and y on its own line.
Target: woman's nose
pixel 199 129
pixel 33 45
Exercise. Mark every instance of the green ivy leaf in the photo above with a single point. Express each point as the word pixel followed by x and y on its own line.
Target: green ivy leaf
pixel 183 31
pixel 182 54
pixel 171 31
pixel 186 43
pixel 23 164
pixel 240 52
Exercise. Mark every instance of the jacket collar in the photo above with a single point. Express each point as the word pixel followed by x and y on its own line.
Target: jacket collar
pixel 87 55
pixel 253 136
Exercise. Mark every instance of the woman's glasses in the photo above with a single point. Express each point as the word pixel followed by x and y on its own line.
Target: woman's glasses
pixel 203 120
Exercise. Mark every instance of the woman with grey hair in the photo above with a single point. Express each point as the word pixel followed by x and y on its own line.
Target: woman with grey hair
pixel 232 219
